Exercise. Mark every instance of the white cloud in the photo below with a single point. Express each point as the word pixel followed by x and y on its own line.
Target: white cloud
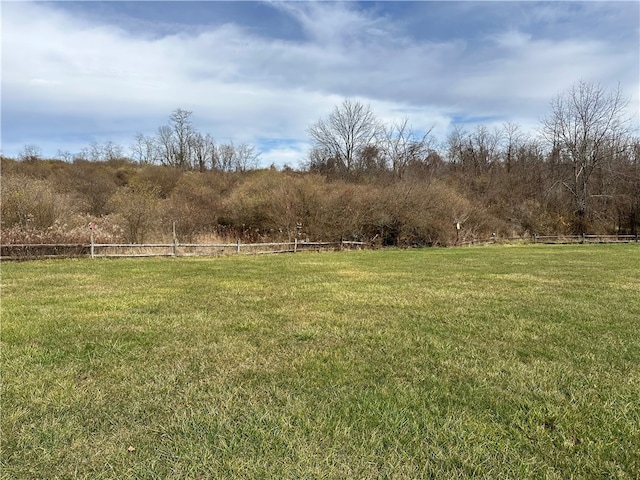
pixel 248 88
pixel 335 24
pixel 289 155
pixel 512 39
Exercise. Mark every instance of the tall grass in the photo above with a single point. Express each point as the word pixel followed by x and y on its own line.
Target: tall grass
pixel 492 362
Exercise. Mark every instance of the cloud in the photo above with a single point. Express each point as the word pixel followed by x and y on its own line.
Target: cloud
pixel 290 154
pixel 91 77
pixel 512 39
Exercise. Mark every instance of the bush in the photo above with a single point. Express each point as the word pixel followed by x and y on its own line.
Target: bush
pixel 31 203
pixel 75 231
pixel 263 207
pixel 195 204
pixel 137 210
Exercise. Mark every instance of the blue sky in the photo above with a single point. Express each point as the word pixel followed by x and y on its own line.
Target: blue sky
pixel 263 72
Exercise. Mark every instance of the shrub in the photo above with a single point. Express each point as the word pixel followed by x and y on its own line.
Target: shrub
pixel 31 203
pixel 75 231
pixel 138 212
pixel 194 205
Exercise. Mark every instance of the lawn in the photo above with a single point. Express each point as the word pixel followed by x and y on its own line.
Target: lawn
pixel 483 362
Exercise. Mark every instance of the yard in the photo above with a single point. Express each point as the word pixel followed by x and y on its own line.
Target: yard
pixel 482 362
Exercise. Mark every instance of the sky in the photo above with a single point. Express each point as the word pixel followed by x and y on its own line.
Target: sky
pixel 76 72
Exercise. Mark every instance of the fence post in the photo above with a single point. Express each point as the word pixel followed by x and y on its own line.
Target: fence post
pixel 295 245
pixel 92 245
pixel 238 247
pixel 175 241
pixel 534 239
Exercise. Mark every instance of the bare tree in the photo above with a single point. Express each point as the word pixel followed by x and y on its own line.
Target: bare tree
pixel 112 151
pixel 485 145
pixel 30 152
pixel 513 139
pixel 225 156
pixel 344 134
pixel 166 146
pixel 64 155
pixel 456 146
pixel 175 140
pixel 203 150
pixel 97 152
pixel 234 158
pixel 475 151
pixel 94 151
pixel 144 149
pixel 245 157
pixel 183 132
pixel 584 124
pixel 402 147
pixel 180 145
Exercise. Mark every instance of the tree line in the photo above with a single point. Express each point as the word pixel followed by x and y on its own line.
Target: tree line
pixel 176 144
pixel 362 180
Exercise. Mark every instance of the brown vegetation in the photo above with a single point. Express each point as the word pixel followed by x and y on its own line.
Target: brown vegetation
pixel 388 185
pixel 53 201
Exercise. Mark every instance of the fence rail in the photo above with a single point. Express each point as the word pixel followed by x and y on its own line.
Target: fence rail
pixel 28 251
pixel 586 238
pixel 558 239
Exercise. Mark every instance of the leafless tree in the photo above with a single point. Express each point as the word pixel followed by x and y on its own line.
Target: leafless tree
pixel 585 123
pixel 245 157
pixel 94 151
pixel 64 155
pixel 166 145
pixel 144 149
pixel 225 156
pixel 344 134
pixel 112 151
pixel 513 139
pixel 183 132
pixel 485 145
pixel 97 152
pixel 175 140
pixel 402 147
pixel 455 145
pixel 475 151
pixel 235 158
pixel 203 150
pixel 30 152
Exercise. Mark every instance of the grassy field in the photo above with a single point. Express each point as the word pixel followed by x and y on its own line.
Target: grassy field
pixel 485 362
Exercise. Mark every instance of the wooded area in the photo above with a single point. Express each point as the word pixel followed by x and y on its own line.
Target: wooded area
pixel 363 181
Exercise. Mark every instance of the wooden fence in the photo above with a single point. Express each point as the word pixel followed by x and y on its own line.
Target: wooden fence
pixel 557 239
pixel 27 251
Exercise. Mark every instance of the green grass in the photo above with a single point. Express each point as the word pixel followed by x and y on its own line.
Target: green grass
pixel 488 362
